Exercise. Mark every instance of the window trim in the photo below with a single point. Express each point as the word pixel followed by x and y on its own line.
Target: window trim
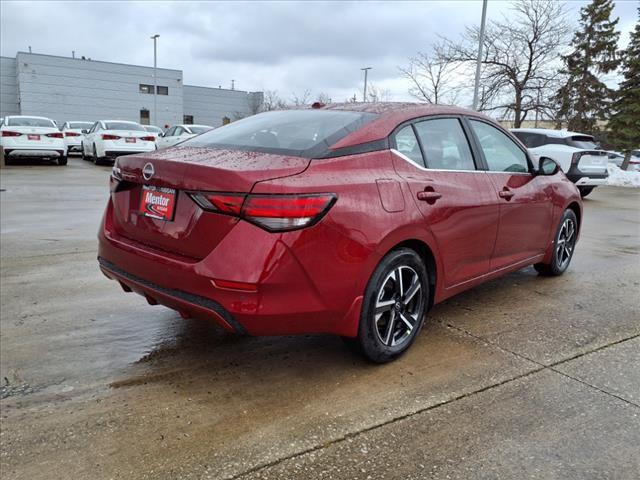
pixel 467 121
pixel 477 160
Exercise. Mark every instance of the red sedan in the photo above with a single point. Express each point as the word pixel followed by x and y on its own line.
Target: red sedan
pixel 349 219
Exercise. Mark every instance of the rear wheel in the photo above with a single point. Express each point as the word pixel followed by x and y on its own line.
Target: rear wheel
pixel 394 307
pixel 62 160
pixel 584 191
pixel 563 246
pixel 96 160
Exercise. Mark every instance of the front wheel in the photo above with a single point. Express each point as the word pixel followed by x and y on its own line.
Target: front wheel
pixel 584 191
pixel 563 246
pixel 394 306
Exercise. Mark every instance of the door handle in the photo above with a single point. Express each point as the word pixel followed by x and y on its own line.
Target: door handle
pixel 506 193
pixel 429 196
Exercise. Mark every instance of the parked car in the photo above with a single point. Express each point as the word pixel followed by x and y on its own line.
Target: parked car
pixel 153 130
pixel 31 137
pixel 180 133
pixel 72 132
pixel 350 219
pixel 109 138
pixel 617 159
pixel 578 155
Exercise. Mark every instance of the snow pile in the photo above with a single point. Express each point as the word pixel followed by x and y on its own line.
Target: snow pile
pixel 622 178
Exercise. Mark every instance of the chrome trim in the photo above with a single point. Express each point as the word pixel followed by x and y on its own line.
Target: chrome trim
pixel 407 159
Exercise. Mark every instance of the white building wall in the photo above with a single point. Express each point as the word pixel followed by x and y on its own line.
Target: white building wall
pixel 8 87
pixel 74 89
pixel 209 106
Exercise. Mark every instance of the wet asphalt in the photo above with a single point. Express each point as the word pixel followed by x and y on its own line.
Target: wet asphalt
pixel 523 377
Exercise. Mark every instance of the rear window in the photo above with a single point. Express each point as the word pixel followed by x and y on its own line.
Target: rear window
pixel 585 142
pixel 151 128
pixel 198 130
pixel 303 133
pixel 124 126
pixel 30 122
pixel 80 125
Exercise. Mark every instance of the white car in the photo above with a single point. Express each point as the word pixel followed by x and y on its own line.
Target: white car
pixel 108 139
pixel 617 158
pixel 72 132
pixel 579 155
pixel 25 136
pixel 180 133
pixel 153 130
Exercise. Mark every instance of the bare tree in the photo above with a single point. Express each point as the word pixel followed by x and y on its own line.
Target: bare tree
pixel 301 100
pixel 520 69
pixel 376 94
pixel 272 101
pixel 323 98
pixel 432 78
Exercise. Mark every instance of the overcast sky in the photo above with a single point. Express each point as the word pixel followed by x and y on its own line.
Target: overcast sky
pixel 285 46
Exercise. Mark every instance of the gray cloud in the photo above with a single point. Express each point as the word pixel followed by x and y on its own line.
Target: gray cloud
pixel 284 46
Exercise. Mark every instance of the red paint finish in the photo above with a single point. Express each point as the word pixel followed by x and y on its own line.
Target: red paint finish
pixel 313 279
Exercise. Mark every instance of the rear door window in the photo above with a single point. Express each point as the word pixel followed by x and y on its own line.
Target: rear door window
pixel 445 144
pixel 501 153
pixel 407 144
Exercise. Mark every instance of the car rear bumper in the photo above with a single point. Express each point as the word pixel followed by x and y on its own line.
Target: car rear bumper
pixel 119 153
pixel 33 152
pixel 583 179
pixel 285 300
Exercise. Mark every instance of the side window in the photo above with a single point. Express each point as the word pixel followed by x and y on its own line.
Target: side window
pixel 179 131
pixel 407 144
pixel 501 153
pixel 445 145
pixel 170 132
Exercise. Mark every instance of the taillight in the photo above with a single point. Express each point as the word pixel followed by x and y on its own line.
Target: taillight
pixel 148 139
pixel 575 158
pixel 276 213
pixel 71 134
pixel 108 136
pixel 54 135
pixel 7 133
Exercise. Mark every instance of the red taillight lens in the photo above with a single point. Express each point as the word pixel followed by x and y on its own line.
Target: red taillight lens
pixel 276 213
pixel 107 136
pixel 71 134
pixel 148 139
pixel 6 133
pixel 55 135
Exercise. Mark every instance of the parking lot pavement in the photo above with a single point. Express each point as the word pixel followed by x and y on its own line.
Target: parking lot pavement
pixel 522 377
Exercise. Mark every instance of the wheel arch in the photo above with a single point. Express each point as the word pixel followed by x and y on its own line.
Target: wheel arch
pixel 425 252
pixel 575 207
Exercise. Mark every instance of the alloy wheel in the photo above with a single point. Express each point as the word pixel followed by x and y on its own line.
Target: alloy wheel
pixel 565 243
pixel 399 303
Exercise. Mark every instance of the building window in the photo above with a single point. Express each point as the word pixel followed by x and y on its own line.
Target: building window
pixel 144 116
pixel 163 90
pixel 144 88
pixel 187 119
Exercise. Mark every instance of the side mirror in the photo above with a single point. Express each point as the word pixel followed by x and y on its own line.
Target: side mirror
pixel 161 134
pixel 84 130
pixel 547 166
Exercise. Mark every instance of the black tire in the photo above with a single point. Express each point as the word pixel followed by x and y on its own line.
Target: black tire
pixel 561 259
pixel 384 336
pixel 84 157
pixel 96 160
pixel 62 160
pixel 584 191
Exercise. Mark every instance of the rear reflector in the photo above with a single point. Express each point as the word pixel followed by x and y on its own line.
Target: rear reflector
pixel 276 213
pixel 55 135
pixel 231 285
pixel 107 136
pixel 7 133
pixel 148 139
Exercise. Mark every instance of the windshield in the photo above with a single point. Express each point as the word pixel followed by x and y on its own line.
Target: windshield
pixel 124 126
pixel 304 133
pixel 198 130
pixel 151 128
pixel 29 122
pixel 584 142
pixel 81 125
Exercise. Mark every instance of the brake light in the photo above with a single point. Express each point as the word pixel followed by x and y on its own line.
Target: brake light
pixel 108 136
pixel 575 158
pixel 148 139
pixel 276 213
pixel 71 134
pixel 54 135
pixel 7 133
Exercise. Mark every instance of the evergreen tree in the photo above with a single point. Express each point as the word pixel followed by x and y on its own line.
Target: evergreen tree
pixel 585 99
pixel 624 127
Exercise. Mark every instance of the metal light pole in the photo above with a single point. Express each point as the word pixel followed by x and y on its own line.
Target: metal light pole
pixel 479 62
pixel 365 70
pixel 155 79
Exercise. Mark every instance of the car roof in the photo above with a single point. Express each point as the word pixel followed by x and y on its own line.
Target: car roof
pixel 552 133
pixel 28 116
pixel 192 125
pixel 390 115
pixel 120 121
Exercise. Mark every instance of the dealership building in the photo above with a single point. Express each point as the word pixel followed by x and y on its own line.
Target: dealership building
pixel 64 88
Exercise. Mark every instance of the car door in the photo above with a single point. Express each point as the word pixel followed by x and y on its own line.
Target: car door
pixel 524 199
pixel 453 195
pixel 87 142
pixel 168 139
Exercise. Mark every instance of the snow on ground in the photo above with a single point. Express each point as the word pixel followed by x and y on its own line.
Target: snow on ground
pixel 622 178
